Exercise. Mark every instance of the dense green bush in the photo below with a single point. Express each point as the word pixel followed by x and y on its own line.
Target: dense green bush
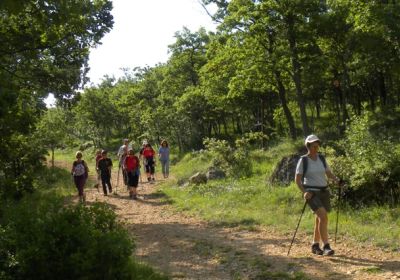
pixel 44 239
pixel 371 162
pixel 234 161
pixel 20 163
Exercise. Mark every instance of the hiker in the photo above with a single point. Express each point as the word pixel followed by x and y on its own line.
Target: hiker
pixel 314 186
pixel 104 165
pixel 132 166
pixel 97 158
pixel 122 153
pixel 148 155
pixel 141 157
pixel 163 154
pixel 80 172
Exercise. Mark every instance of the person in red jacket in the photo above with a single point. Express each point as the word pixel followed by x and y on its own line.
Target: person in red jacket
pixel 132 166
pixel 148 154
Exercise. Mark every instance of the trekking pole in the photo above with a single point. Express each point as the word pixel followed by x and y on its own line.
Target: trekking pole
pixel 337 212
pixel 116 188
pixel 294 235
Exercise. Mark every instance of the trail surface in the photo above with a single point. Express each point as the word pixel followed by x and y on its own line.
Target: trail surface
pixel 185 247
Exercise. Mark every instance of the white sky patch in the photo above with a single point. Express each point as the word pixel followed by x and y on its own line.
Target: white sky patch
pixel 142 31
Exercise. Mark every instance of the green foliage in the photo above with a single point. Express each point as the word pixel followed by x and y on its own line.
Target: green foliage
pixel 42 238
pixel 371 162
pixel 20 166
pixel 47 239
pixel 234 161
pixel 45 48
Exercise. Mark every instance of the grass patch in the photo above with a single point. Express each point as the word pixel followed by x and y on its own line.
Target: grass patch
pixel 373 269
pixel 253 201
pixel 281 276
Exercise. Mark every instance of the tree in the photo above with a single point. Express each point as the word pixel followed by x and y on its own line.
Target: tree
pixel 52 130
pixel 44 48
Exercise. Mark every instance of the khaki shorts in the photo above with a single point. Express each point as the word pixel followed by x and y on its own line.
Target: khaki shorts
pixel 320 199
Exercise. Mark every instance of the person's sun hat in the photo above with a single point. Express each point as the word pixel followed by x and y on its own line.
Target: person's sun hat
pixel 311 138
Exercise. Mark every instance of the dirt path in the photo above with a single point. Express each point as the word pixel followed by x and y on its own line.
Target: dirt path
pixel 185 247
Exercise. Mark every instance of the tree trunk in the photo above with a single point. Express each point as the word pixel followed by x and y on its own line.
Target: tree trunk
pixel 297 73
pixel 286 110
pixel 262 122
pixel 382 89
pixel 281 90
pixel 225 126
pixel 52 157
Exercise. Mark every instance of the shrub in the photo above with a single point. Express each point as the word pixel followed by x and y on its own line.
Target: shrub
pixel 234 161
pixel 371 163
pixel 48 240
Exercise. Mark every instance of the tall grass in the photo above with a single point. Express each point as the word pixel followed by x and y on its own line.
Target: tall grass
pixel 253 201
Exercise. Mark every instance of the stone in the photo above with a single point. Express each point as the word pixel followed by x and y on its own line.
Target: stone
pixel 284 172
pixel 215 173
pixel 198 178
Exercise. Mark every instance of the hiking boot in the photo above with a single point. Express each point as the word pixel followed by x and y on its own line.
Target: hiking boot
pixel 315 249
pixel 149 179
pixel 153 179
pixel 327 250
pixel 135 197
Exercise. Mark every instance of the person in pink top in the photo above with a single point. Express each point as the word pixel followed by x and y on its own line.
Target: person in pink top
pixel 148 154
pixel 132 166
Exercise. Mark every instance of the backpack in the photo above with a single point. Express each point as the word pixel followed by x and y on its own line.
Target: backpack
pixel 79 168
pixel 305 164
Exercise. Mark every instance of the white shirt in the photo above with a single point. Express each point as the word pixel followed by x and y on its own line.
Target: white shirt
pixel 122 152
pixel 315 174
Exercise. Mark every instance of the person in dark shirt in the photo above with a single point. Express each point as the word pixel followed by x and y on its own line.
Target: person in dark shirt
pixel 98 157
pixel 104 166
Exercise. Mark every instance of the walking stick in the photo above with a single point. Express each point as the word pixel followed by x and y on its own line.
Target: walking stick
pixel 116 188
pixel 294 235
pixel 337 212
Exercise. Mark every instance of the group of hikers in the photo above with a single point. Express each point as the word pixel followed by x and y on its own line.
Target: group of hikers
pixel 128 164
pixel 311 177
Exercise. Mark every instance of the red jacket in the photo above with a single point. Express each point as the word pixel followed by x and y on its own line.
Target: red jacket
pixel 131 163
pixel 148 152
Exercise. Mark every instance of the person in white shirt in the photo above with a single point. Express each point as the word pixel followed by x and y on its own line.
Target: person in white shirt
pixel 122 153
pixel 314 186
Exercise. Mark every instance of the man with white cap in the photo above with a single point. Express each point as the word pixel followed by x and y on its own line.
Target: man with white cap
pixel 311 172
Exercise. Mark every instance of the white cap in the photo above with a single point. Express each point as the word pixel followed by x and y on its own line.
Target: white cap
pixel 311 138
pixel 144 142
pixel 126 140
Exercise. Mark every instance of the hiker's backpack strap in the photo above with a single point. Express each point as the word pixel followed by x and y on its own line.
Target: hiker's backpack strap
pixel 305 165
pixel 322 158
